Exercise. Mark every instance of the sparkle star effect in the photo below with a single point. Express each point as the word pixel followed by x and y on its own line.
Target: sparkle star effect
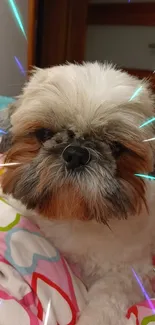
pixel 136 93
pixel 21 68
pixel 143 291
pixel 16 14
pixel 146 176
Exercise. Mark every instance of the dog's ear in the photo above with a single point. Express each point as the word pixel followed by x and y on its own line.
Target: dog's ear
pixel 5 127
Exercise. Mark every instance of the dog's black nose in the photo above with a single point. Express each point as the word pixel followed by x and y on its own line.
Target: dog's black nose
pixel 76 156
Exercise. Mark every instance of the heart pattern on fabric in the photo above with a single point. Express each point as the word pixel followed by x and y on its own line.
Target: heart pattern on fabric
pixel 141 314
pixel 61 310
pixel 9 217
pixel 33 247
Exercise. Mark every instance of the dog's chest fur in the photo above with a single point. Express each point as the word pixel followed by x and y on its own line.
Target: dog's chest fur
pixel 99 250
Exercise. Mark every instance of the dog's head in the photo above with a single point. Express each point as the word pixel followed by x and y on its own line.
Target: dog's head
pixel 75 132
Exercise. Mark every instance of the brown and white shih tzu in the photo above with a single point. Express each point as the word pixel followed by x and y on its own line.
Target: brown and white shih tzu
pixel 75 132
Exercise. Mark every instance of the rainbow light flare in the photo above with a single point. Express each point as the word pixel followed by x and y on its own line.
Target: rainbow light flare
pixel 143 291
pixel 21 68
pixel 16 14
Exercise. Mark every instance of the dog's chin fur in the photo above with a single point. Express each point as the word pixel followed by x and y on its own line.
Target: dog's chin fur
pixel 101 217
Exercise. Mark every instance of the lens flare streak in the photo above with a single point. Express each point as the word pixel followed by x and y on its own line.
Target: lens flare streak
pixel 136 93
pixel 17 16
pixel 3 132
pixel 47 313
pixel 147 140
pixel 143 291
pixel 20 66
pixel 147 122
pixel 146 176
pixel 10 164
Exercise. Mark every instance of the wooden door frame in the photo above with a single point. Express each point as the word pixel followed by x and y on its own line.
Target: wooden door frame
pixel 52 32
pixel 32 16
pixel 63 24
pixel 76 30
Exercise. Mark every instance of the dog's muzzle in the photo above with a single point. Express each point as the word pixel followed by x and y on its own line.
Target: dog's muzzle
pixel 76 156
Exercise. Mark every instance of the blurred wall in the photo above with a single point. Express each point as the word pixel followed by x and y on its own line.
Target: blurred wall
pixel 12 43
pixel 127 46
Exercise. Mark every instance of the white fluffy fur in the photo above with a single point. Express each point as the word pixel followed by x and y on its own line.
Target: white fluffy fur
pixel 106 257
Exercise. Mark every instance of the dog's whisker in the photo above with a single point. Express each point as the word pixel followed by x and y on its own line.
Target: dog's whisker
pixel 97 174
pixel 90 171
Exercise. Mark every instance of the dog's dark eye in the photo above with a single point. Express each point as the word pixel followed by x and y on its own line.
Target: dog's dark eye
pixel 71 134
pixel 43 134
pixel 118 149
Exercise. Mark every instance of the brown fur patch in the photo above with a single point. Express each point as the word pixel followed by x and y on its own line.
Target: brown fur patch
pixel 131 164
pixel 26 128
pixel 22 151
pixel 65 203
